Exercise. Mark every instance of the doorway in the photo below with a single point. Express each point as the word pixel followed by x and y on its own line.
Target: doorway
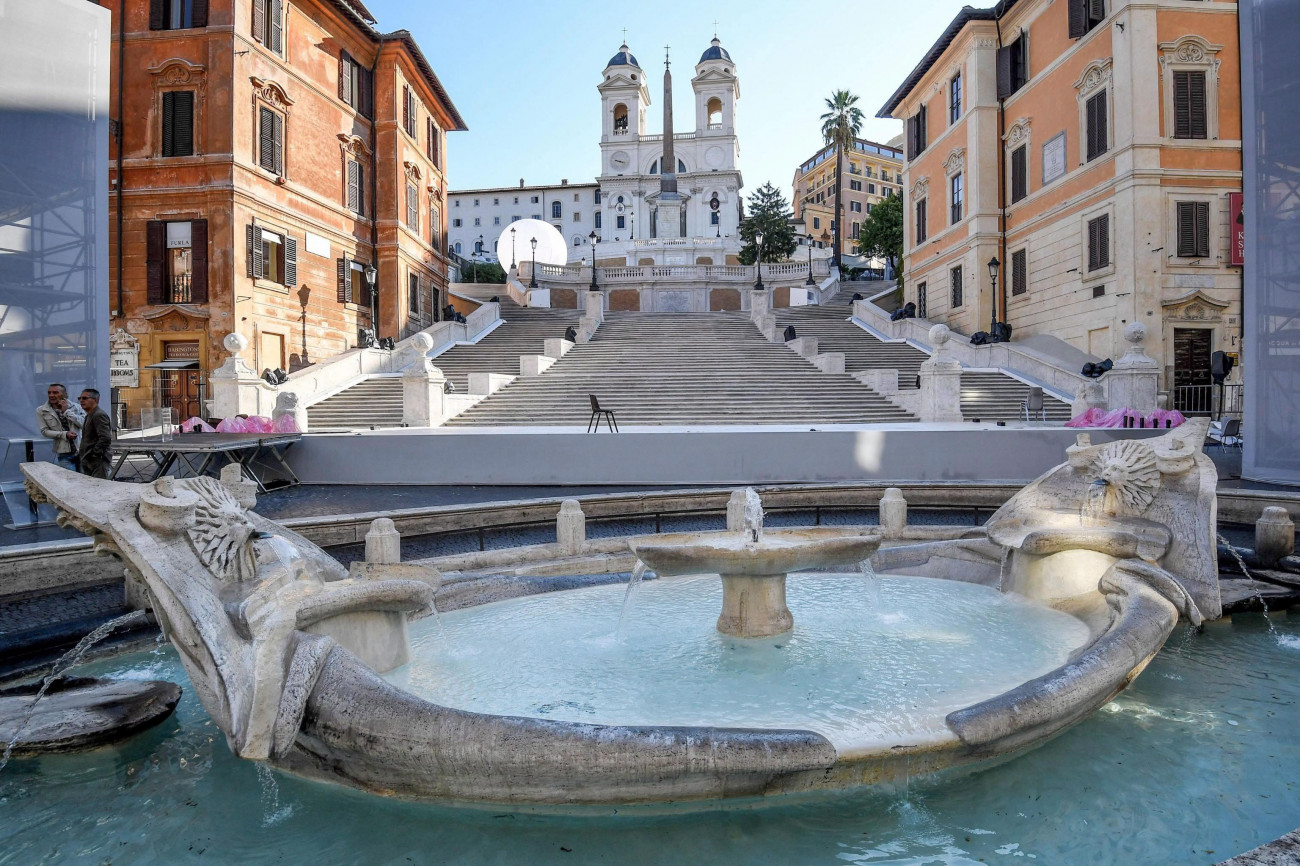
pixel 179 386
pixel 1192 381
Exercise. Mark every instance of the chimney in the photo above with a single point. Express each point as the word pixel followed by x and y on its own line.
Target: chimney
pixel 564 181
pixel 521 183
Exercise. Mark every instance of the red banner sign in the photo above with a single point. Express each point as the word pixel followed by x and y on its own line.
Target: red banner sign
pixel 1237 220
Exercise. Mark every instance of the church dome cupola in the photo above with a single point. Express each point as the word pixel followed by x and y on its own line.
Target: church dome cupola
pixel 715 51
pixel 623 58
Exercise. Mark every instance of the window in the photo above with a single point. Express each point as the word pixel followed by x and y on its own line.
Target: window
pixel 270 139
pixel 356 85
pixel 496 201
pixel 916 137
pixel 575 197
pixel 516 202
pixel 413 294
pixel 456 223
pixel 413 207
pixel 871 188
pixel 1019 272
pixel 597 219
pixel 1098 138
pixel 713 108
pixel 921 301
pixel 954 99
pixel 855 185
pixel 177 14
pixel 1013 65
pixel 410 113
pixel 1019 173
pixel 352 285
pixel 178 123
pixel 271 256
pixel 954 186
pixel 597 197
pixel 715 218
pixel 1085 15
pixel 857 230
pixel 456 203
pixel 855 206
pixel 1099 243
pixel 921 225
pixel 556 211
pixel 515 219
pixel 356 192
pixel 535 201
pixel 620 222
pixel 817 222
pixel 496 221
pixel 176 262
pixel 268 24
pixel 432 138
pixel 478 221
pixel 475 202
pixel 435 225
pixel 1193 229
pixel 620 119
pixel 1189 105
pixel 954 278
pixel 577 216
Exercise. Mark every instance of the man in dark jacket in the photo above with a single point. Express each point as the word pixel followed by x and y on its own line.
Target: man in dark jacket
pixel 96 436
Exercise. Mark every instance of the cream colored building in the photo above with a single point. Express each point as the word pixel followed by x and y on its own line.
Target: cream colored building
pixel 874 171
pixel 1094 148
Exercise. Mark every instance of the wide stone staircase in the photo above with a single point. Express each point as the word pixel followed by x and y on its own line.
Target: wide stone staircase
pixel 682 368
pixel 985 395
pixel 377 401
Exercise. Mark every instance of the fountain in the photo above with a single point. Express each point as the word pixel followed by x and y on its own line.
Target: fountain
pixel 311 669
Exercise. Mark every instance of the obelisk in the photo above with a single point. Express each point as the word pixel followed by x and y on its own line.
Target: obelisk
pixel 668 222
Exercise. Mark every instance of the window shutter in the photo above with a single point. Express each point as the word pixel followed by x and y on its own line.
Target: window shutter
pixel 199 261
pixel 911 137
pixel 266 139
pixel 1094 244
pixel 1004 72
pixel 156 19
pixel 1078 18
pixel 1019 173
pixel 366 95
pixel 1096 11
pixel 354 186
pixel 345 77
pixel 344 271
pixel 1196 107
pixel 1021 55
pixel 1019 281
pixel 156 260
pixel 182 126
pixel 1098 140
pixel 277 26
pixel 259 20
pixel 406 108
pixel 428 138
pixel 200 13
pixel 1182 105
pixel 1103 233
pixel 1203 229
pixel 290 261
pixel 256 265
pixel 365 292
pixel 921 135
pixel 279 142
pixel 168 123
pixel 412 214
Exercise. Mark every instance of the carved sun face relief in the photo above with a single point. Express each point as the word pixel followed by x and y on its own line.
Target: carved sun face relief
pixel 1126 479
pixel 222 533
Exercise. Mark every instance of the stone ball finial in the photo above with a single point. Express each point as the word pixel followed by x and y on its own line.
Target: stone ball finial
pixel 422 342
pixel 940 334
pixel 1135 333
pixel 235 342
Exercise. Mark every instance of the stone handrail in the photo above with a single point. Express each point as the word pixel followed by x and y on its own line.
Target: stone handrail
pixel 1005 356
pixel 779 271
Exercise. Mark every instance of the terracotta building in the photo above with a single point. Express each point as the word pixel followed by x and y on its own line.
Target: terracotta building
pixel 874 171
pixel 271 152
pixel 1094 148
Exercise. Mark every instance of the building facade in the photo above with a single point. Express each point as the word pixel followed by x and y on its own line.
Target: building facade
pixel 478 217
pixel 873 172
pixel 1094 148
pixel 271 155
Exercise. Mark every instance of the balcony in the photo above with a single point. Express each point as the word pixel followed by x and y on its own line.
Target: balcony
pixel 181 292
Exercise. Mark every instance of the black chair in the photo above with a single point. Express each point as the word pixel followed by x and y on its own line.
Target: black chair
pixel 598 413
pixel 1231 436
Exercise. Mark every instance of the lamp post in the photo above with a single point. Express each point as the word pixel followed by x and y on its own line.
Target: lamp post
pixel 758 260
pixel 811 281
pixel 592 237
pixel 478 254
pixel 372 277
pixel 513 262
pixel 532 278
pixel 994 264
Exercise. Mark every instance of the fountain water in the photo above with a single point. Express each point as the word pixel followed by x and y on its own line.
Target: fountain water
pixel 872 581
pixel 1254 584
pixel 633 585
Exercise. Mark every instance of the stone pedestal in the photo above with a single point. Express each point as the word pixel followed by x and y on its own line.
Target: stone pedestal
pixel 383 544
pixel 422 395
pixel 571 527
pixel 595 306
pixel 893 513
pixel 1133 382
pixel 235 386
pixel 1089 396
pixel 754 606
pixel 760 303
pixel 940 381
pixel 668 222
pixel 806 346
pixel 1274 535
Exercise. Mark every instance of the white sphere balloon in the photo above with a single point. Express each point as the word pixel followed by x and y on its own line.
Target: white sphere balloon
pixel 551 248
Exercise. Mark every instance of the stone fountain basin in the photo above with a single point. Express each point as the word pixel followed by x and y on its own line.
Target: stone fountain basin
pixel 778 551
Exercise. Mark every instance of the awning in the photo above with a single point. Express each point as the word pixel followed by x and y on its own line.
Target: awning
pixel 182 364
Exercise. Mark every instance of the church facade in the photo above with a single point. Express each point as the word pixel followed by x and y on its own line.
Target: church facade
pixel 672 198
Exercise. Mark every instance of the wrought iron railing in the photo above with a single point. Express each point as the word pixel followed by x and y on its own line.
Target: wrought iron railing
pixel 1213 400
pixel 181 291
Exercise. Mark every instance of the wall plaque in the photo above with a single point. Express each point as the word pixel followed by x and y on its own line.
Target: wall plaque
pixel 1053 158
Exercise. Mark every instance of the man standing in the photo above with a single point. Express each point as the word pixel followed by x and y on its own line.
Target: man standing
pixel 97 436
pixel 61 422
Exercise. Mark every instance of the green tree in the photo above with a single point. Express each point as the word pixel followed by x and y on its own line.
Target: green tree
pixel 881 234
pixel 769 213
pixel 482 272
pixel 841 124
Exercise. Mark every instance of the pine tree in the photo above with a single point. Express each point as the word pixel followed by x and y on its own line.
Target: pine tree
pixel 769 213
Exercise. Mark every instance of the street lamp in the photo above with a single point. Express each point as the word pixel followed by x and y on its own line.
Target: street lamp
pixel 513 263
pixel 532 281
pixel 372 277
pixel 811 281
pixel 478 254
pixel 592 237
pixel 758 260
pixel 994 264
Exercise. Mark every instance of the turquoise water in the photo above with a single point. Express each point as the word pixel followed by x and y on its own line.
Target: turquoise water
pixel 1194 763
pixel 861 667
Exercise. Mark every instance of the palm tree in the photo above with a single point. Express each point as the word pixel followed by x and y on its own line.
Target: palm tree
pixel 840 126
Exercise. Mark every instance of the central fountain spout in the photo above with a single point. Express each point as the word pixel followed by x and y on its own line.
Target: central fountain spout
pixel 753 514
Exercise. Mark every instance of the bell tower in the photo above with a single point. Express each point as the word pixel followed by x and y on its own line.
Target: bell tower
pixel 717 89
pixel 624 98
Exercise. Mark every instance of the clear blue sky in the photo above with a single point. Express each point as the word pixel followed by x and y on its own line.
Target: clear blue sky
pixel 524 74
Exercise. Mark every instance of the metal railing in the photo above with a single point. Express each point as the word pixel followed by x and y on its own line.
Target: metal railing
pixel 1213 400
pixel 181 290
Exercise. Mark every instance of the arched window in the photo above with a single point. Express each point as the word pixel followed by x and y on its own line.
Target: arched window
pixel 556 212
pixel 457 247
pixel 577 240
pixel 620 118
pixel 714 110
pixel 654 168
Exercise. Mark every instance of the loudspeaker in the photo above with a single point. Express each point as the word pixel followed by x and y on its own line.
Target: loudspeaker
pixel 1221 364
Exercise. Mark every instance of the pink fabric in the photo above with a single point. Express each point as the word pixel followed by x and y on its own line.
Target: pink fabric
pixel 258 424
pixel 202 426
pixel 286 424
pixel 231 425
pixel 1115 418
